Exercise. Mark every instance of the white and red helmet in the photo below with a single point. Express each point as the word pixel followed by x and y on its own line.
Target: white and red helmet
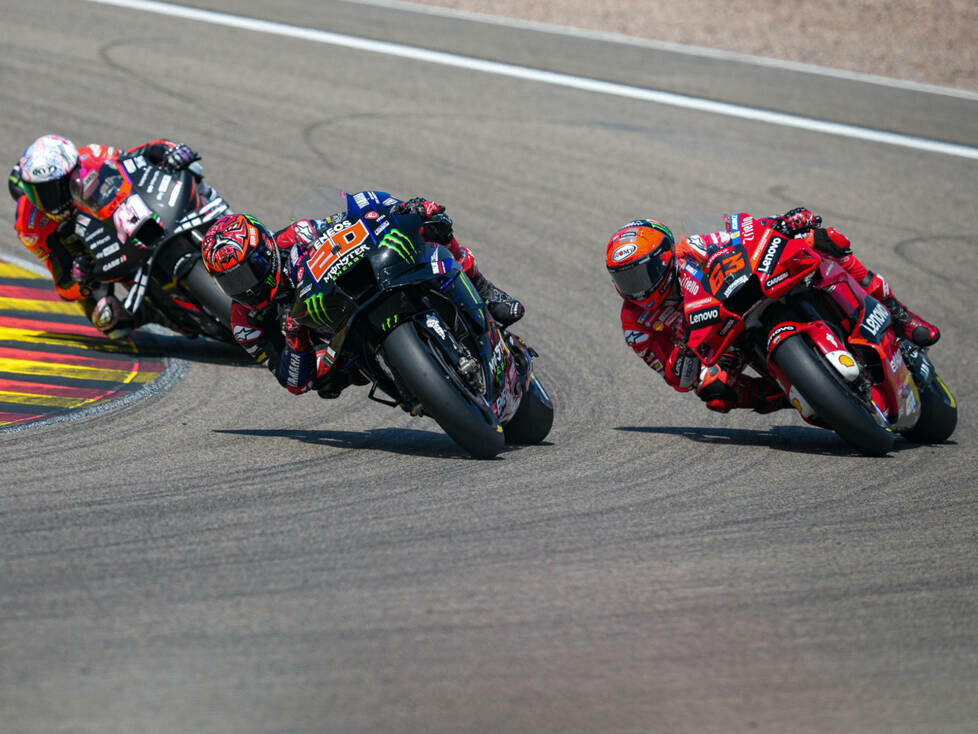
pixel 45 168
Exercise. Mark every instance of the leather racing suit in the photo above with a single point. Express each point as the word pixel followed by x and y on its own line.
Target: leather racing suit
pixel 657 335
pixel 53 241
pixel 290 352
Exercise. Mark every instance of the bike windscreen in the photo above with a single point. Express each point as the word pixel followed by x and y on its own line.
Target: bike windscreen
pixel 320 202
pixel 705 223
pixel 95 189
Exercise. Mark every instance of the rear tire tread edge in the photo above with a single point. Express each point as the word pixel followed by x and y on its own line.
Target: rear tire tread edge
pixel 532 421
pixel 938 417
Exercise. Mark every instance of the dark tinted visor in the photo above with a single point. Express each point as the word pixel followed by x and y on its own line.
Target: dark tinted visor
pixel 637 281
pixel 245 283
pixel 49 196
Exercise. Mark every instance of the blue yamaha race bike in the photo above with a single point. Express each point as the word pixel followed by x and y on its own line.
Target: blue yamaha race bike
pixel 401 312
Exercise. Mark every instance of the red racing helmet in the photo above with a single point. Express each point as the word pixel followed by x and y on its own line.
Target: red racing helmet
pixel 241 255
pixel 641 260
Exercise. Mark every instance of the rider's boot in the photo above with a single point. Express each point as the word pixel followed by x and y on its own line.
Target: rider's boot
pixel 905 322
pixel 330 381
pixel 504 308
pixel 332 385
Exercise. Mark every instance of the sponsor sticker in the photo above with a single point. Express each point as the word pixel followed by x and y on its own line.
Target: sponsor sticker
pixel 747 224
pixel 876 320
pixel 778 335
pixel 770 282
pixel 707 316
pixel 635 337
pixel 435 325
pixel 770 257
pixel 690 285
pixel 623 252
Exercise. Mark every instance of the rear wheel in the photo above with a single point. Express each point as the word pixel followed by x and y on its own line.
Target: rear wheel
pixel 425 378
pixel 938 414
pixel 832 401
pixel 533 418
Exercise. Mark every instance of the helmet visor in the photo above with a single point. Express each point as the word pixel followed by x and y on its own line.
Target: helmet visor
pixel 247 282
pixel 637 281
pixel 48 196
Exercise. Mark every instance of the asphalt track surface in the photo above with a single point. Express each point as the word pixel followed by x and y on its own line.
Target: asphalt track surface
pixel 225 557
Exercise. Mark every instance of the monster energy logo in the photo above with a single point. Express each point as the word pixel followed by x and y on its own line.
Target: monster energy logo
pixel 317 310
pixel 254 220
pixel 389 323
pixel 399 243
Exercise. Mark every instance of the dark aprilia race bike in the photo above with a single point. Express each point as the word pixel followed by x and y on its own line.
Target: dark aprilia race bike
pixel 805 325
pixel 402 312
pixel 142 226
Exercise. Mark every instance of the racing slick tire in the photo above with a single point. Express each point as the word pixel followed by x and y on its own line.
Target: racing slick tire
pixel 533 418
pixel 834 404
pixel 424 377
pixel 938 414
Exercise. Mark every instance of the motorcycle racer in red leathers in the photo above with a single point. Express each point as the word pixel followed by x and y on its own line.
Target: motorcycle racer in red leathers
pixel 641 258
pixel 259 271
pixel 46 183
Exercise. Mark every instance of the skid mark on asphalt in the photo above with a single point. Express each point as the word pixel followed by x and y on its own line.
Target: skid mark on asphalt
pixel 52 360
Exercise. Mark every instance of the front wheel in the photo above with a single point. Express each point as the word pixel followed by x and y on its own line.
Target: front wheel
pixel 426 380
pixel 834 404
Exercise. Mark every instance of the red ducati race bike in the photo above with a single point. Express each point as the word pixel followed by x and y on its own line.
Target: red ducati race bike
pixel 802 322
pixel 145 234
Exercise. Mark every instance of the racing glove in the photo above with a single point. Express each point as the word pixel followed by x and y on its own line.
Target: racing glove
pixel 297 365
pixel 683 365
pixel 682 368
pixel 296 335
pixel 797 221
pixel 437 227
pixel 179 157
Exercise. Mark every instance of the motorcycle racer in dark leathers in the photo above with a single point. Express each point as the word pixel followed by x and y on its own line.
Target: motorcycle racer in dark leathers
pixel 46 183
pixel 641 258
pixel 258 269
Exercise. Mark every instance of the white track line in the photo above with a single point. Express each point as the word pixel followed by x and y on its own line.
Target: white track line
pixel 548 77
pixel 676 48
pixel 32 265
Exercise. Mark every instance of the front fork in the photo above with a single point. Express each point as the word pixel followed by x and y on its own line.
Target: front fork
pixel 825 341
pixel 457 355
